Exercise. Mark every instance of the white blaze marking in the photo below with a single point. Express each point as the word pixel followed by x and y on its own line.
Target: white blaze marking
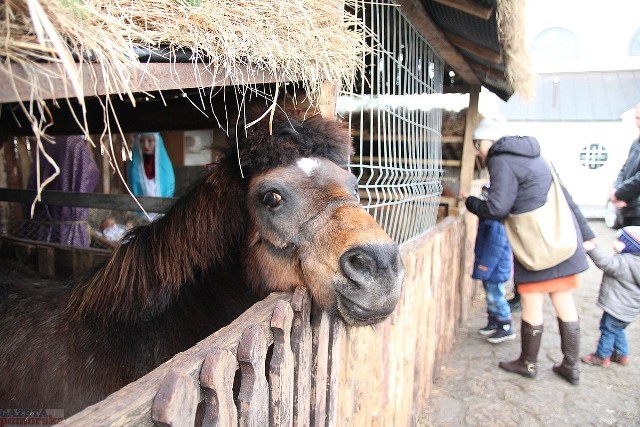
pixel 308 165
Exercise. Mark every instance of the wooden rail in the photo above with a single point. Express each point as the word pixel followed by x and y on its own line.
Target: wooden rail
pixel 52 259
pixel 121 202
pixel 199 385
pixel 144 77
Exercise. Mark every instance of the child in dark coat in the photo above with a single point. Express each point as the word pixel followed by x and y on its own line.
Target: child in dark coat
pixel 493 266
pixel 619 295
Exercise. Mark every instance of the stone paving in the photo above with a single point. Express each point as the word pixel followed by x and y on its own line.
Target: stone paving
pixel 471 390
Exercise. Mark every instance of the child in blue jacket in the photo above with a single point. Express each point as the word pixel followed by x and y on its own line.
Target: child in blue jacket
pixel 493 266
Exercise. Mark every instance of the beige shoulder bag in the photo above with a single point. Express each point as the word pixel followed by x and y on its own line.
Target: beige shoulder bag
pixel 543 237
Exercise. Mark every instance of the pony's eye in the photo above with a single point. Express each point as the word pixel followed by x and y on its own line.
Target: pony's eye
pixel 272 199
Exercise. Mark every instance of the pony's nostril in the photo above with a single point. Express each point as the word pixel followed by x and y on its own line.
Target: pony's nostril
pixel 364 264
pixel 357 266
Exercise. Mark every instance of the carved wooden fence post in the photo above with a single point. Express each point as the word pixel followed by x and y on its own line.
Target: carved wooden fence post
pixel 281 367
pixel 253 398
pixel 301 346
pixel 176 402
pixel 216 379
pixel 320 323
pixel 337 330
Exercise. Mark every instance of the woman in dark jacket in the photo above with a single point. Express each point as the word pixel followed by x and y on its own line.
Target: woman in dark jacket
pixel 626 192
pixel 520 181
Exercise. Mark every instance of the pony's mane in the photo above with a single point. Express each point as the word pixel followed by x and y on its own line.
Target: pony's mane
pixel 203 231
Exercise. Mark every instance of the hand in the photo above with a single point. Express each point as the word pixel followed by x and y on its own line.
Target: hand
pixel 462 196
pixel 619 204
pixel 612 195
pixel 589 245
pixel 618 246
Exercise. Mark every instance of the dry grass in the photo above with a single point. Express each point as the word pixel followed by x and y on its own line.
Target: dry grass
pixel 311 41
pixel 511 32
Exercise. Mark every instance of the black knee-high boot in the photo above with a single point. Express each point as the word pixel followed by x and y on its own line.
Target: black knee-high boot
pixel 525 365
pixel 569 369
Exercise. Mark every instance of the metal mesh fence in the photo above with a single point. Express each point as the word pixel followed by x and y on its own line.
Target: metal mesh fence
pixel 398 141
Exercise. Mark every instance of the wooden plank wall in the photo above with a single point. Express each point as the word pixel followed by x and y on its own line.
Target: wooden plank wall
pixel 387 371
pixel 50 259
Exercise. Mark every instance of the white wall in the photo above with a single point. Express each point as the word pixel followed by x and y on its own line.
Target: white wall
pixel 604 30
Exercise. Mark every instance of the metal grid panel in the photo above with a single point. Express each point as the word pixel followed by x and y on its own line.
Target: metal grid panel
pixel 398 146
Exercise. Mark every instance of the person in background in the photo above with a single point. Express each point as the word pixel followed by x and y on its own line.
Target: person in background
pixel 493 266
pixel 619 295
pixel 520 181
pixel 625 195
pixel 66 225
pixel 150 172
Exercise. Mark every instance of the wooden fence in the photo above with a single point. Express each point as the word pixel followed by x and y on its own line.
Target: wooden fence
pixel 283 363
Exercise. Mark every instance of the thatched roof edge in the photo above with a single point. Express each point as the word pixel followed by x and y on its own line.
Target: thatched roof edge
pixel 510 16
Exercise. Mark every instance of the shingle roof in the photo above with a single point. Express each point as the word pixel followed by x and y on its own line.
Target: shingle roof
pixel 577 96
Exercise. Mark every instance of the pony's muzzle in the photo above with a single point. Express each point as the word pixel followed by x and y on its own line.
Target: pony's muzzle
pixel 375 274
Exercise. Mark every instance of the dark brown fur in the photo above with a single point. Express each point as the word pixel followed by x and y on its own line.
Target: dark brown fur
pixel 177 280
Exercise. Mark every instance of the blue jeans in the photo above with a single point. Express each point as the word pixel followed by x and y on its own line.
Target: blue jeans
pixel 612 336
pixel 496 296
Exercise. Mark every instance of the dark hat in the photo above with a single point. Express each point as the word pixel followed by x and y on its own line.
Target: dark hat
pixel 630 236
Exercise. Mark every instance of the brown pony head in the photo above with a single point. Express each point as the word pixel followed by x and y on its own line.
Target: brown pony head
pixel 307 227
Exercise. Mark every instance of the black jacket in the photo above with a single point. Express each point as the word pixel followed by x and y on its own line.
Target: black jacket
pixel 628 182
pixel 520 181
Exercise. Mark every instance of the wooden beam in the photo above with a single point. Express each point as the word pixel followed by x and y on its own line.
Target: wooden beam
pixel 147 77
pixel 461 88
pixel 122 202
pixel 327 102
pixel 475 49
pixel 452 139
pixel 415 13
pixel 468 150
pixel 487 71
pixel 470 7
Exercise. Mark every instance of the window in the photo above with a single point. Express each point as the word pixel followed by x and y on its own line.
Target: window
pixel 554 43
pixel 634 44
pixel 594 156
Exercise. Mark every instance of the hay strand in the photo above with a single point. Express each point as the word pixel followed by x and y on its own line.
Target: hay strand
pixel 510 16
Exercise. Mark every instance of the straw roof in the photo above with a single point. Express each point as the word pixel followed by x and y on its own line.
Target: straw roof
pixel 47 42
pixel 511 33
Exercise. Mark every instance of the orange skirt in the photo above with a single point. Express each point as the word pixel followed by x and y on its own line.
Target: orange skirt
pixel 553 285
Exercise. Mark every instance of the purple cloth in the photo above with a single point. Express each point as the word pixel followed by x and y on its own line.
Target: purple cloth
pixel 78 173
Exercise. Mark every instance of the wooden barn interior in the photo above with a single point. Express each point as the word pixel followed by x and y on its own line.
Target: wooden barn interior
pixel 341 375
